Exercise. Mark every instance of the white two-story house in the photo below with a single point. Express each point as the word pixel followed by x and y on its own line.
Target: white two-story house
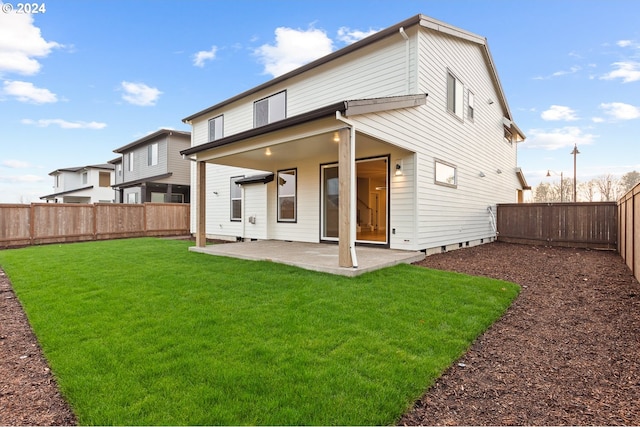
pixel 83 184
pixel 151 169
pixel 403 140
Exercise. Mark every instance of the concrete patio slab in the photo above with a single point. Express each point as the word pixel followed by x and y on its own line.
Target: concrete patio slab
pixel 312 256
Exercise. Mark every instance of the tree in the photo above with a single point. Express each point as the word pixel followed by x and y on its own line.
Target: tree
pixel 588 190
pixel 543 193
pixel 628 181
pixel 607 186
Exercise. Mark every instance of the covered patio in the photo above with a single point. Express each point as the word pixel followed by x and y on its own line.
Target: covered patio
pixel 312 256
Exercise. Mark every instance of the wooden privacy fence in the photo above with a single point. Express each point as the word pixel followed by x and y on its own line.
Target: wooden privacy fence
pixel 41 223
pixel 629 235
pixel 583 225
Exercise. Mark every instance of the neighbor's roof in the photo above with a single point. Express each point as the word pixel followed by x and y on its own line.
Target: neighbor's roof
pixel 150 137
pixel 424 21
pixel 80 168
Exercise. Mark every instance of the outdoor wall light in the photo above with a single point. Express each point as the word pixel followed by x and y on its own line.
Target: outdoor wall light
pixel 399 168
pixel 482 175
pixel 336 137
pixel 498 171
pixel 267 152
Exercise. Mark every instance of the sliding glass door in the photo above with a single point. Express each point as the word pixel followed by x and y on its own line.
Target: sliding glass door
pixel 372 200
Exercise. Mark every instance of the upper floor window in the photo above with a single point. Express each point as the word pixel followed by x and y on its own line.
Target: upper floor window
pixel 216 128
pixel 130 161
pixel 446 174
pixel 236 199
pixel 271 109
pixel 287 189
pixel 119 169
pixel 105 179
pixel 470 106
pixel 85 178
pixel 57 180
pixel 455 95
pixel 152 154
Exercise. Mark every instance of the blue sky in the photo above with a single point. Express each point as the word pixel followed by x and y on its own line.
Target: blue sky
pixel 82 78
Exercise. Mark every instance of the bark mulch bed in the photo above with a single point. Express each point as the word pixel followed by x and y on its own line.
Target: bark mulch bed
pixel 565 353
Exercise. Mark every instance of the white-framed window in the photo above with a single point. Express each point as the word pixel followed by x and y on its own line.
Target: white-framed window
pixel 471 106
pixel 216 128
pixel 130 161
pixel 132 198
pixel 85 178
pixel 270 109
pixel 445 174
pixel 119 169
pixel 57 181
pixel 236 199
pixel 152 154
pixel 508 137
pixel 455 95
pixel 287 195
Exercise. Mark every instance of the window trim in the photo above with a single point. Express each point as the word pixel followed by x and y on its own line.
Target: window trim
pixel 85 178
pixel 218 122
pixel 436 162
pixel 268 99
pixel 295 196
pixel 152 154
pixel 471 110
pixel 455 98
pixel 232 183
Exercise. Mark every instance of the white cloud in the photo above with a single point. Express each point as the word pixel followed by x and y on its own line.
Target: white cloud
pixel 554 139
pixel 347 35
pixel 628 71
pixel 20 43
pixel 571 70
pixel 559 112
pixel 27 92
pixel 64 124
pixel 140 94
pixel 621 111
pixel 15 164
pixel 292 49
pixel 624 43
pixel 204 55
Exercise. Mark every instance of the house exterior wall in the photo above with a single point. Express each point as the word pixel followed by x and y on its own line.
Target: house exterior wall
pixel 70 183
pixel 422 214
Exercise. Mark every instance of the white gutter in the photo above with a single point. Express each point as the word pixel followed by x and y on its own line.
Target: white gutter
pixel 352 184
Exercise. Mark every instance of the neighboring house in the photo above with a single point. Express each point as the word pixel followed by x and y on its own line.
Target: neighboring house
pixel 403 140
pixel 151 169
pixel 84 184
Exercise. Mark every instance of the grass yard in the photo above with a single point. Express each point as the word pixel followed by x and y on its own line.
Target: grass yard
pixel 144 332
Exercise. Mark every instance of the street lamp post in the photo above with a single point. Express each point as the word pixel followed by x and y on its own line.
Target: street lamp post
pixel 561 182
pixel 575 152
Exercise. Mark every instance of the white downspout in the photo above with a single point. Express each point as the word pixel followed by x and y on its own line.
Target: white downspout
pixel 352 184
pixel 406 58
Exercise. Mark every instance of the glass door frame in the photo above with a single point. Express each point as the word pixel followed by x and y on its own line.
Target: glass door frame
pixel 322 213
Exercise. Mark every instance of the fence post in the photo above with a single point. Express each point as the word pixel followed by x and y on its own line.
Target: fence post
pixel 32 216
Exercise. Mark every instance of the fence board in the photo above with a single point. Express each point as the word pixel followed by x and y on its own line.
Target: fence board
pixel 587 225
pixel 629 235
pixel 41 223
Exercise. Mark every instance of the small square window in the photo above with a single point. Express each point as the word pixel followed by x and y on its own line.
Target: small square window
pixel 446 174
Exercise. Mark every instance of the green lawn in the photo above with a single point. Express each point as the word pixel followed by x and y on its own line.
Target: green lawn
pixel 144 332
